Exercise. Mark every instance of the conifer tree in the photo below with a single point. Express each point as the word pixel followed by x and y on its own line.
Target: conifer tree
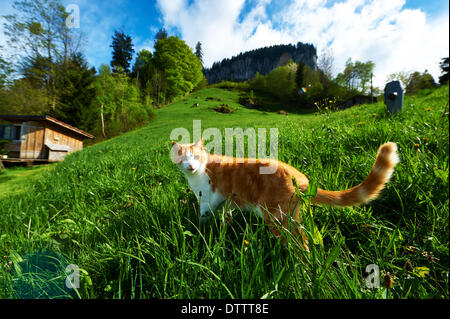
pixel 122 52
pixel 199 51
pixel 299 75
pixel 162 34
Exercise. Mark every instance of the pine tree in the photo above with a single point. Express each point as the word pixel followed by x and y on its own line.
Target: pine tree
pixel 122 52
pixel 299 75
pixel 76 93
pixel 199 51
pixel 162 34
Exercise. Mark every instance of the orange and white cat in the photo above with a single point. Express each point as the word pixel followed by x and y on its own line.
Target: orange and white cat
pixel 215 178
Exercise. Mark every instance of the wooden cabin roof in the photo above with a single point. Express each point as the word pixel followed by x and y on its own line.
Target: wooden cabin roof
pixel 46 119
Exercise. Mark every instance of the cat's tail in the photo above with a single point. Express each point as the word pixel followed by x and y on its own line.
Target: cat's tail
pixel 369 189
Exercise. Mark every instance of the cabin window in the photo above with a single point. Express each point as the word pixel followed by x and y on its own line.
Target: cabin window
pixel 10 132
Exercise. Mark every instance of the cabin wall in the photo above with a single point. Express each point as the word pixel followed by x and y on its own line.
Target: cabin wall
pixel 32 141
pixel 13 149
pixel 35 134
pixel 56 156
pixel 59 137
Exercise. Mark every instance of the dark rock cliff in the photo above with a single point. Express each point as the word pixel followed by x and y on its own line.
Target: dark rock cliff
pixel 245 65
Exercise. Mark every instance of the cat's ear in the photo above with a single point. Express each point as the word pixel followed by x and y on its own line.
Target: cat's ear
pixel 200 143
pixel 174 143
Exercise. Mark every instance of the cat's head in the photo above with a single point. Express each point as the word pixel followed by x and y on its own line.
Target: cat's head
pixel 190 158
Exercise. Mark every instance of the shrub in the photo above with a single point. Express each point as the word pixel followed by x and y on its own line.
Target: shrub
pixel 418 81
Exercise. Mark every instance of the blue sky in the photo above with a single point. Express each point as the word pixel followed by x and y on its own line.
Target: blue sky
pixel 397 35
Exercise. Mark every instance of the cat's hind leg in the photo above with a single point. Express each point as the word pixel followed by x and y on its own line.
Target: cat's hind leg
pixel 284 226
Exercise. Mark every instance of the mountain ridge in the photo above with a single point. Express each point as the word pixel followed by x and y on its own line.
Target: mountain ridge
pixel 245 65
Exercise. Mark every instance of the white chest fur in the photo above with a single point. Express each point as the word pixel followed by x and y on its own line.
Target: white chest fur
pixel 207 198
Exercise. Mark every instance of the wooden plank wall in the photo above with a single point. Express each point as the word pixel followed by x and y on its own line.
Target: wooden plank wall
pixel 13 149
pixel 34 136
pixel 32 145
pixel 57 136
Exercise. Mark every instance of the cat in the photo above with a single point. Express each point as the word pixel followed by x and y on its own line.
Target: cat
pixel 216 178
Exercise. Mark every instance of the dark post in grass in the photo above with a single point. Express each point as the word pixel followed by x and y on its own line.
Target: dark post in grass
pixel 393 96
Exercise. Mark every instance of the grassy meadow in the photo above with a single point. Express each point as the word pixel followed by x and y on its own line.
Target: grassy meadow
pixel 16 180
pixel 122 212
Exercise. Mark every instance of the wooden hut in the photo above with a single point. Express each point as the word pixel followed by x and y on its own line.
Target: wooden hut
pixel 39 138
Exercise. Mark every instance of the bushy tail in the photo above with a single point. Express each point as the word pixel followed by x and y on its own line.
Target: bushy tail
pixel 369 189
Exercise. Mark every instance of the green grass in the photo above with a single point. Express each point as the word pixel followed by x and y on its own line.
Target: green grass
pixel 15 180
pixel 122 212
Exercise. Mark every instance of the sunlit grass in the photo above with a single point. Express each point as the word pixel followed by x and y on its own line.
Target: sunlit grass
pixel 16 180
pixel 123 213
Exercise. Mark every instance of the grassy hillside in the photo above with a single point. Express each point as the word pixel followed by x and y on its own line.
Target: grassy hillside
pixel 123 213
pixel 17 180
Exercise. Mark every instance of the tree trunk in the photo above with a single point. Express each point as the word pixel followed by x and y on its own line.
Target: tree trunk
pixel 103 122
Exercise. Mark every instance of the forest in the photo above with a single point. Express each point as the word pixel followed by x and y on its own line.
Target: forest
pixel 52 76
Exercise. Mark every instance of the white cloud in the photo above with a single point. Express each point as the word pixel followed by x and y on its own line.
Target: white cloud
pixel 395 38
pixel 213 23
